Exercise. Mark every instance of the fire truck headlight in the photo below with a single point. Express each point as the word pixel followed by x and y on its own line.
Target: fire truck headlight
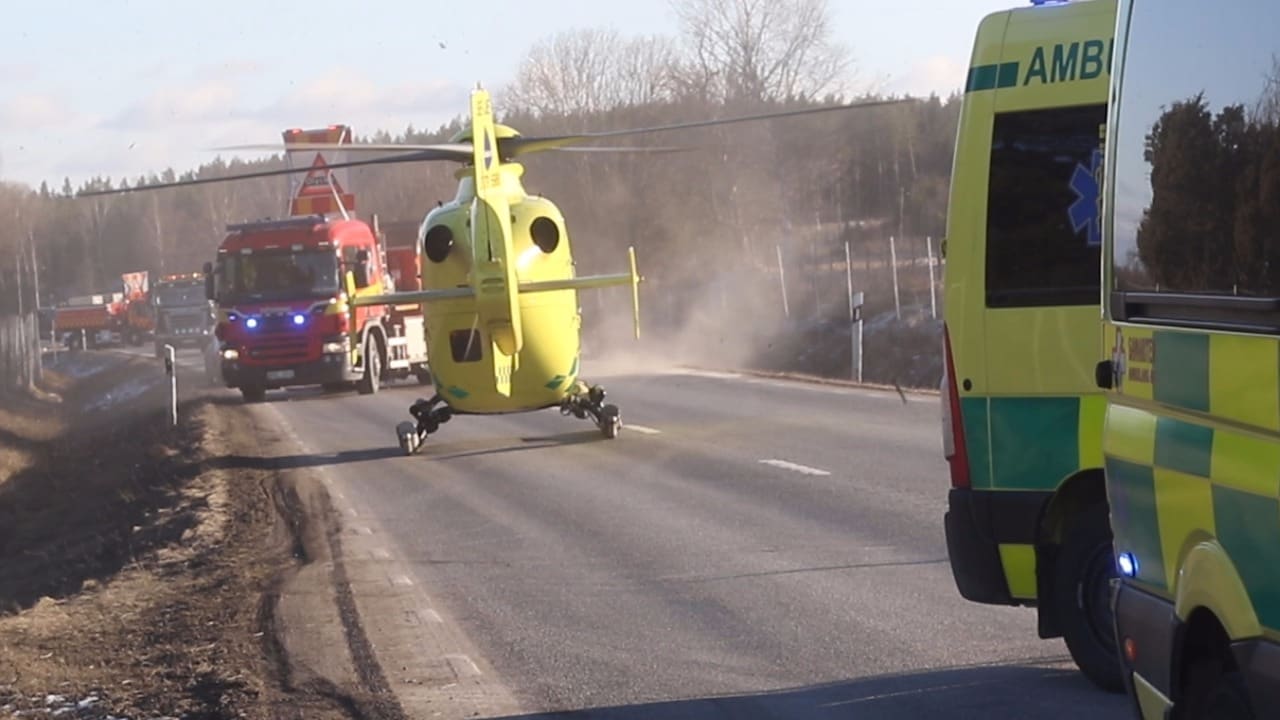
pixel 230 354
pixel 334 346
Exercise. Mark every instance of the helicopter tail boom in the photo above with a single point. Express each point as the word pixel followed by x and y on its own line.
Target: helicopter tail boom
pixel 592 282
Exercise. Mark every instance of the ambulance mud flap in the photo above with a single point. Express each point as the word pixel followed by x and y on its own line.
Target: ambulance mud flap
pixel 977 523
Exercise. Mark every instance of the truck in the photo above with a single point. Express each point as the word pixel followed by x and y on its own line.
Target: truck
pixel 1027 517
pixel 283 317
pixel 183 314
pixel 119 316
pixel 1190 362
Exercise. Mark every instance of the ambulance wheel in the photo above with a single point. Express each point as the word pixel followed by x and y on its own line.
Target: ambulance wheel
pixel 423 374
pixel 1082 595
pixel 1214 692
pixel 610 421
pixel 253 394
pixel 371 381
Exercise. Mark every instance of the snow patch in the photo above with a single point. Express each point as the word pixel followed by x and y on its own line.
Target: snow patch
pixel 82 365
pixel 124 392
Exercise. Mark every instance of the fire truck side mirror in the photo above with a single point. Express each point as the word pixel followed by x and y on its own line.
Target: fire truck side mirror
pixel 208 281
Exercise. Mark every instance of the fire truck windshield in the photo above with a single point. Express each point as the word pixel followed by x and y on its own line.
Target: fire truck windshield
pixel 278 275
pixel 185 294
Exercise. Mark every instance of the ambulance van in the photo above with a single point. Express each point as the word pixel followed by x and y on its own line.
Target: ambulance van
pixel 1192 355
pixel 1027 522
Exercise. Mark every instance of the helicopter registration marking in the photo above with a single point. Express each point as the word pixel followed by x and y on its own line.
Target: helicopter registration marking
pixel 796 467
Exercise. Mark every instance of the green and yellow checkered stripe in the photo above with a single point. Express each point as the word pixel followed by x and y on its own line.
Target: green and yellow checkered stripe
pixel 1195 454
pixel 1030 443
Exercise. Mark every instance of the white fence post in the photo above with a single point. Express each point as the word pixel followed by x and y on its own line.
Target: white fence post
pixel 893 261
pixel 854 343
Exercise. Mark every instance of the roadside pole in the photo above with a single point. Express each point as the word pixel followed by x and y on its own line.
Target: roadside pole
pixel 853 318
pixel 171 369
pixel 893 260
pixel 858 299
pixel 933 293
pixel 782 279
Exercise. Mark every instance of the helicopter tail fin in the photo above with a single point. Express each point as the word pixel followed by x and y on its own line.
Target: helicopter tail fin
pixel 497 299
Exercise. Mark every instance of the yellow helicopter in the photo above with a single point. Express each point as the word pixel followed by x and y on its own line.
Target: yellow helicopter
pixel 499 289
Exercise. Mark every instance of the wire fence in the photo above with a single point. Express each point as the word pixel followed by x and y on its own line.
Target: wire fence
pixel 20 365
pixel 793 309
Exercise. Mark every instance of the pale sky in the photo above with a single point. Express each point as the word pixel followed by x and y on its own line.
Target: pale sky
pixel 126 87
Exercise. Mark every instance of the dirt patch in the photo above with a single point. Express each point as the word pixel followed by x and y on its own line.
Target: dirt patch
pixel 138 572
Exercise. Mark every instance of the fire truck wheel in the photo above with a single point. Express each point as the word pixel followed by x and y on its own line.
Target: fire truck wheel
pixel 370 382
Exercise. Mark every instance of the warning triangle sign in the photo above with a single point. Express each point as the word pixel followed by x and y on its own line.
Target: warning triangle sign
pixel 319 179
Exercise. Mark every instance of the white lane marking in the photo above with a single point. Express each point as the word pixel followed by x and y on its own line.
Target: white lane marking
pixel 380 554
pixel 462 665
pixel 401 581
pixel 642 429
pixel 352 512
pixel 432 616
pixel 361 530
pixel 710 374
pixel 795 467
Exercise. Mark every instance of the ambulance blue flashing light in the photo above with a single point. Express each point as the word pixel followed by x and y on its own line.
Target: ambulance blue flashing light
pixel 251 323
pixel 1128 564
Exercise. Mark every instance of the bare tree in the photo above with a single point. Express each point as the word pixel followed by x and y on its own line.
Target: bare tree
pixel 592 70
pixel 760 50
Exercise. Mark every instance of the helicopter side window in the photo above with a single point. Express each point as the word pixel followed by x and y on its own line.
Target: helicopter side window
pixel 464 345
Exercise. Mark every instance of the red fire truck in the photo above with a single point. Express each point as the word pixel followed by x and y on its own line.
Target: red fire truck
pixel 283 316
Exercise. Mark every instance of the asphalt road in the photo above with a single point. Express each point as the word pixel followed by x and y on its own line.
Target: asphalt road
pixel 748 548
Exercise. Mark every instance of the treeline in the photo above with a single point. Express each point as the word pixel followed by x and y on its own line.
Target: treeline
pixel 720 208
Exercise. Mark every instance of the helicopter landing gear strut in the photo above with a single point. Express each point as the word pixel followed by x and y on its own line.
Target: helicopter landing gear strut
pixel 430 415
pixel 583 402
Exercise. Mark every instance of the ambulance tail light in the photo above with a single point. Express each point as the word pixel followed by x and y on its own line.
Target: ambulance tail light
pixel 952 421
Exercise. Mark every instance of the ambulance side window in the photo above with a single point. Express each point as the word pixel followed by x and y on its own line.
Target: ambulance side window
pixel 1043 231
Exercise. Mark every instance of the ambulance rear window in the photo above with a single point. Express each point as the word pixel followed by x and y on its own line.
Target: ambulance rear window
pixel 1043 236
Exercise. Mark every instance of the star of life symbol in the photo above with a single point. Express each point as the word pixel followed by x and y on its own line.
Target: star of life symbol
pixel 1086 211
pixel 1118 361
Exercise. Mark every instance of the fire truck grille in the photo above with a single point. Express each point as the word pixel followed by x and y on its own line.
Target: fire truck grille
pixel 285 349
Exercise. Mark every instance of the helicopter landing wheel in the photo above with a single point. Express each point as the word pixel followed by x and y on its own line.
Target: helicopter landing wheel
pixel 407 434
pixel 610 421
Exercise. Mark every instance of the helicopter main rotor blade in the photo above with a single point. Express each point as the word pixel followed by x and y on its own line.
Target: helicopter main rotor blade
pixel 516 146
pixel 602 149
pixel 349 147
pixel 419 156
